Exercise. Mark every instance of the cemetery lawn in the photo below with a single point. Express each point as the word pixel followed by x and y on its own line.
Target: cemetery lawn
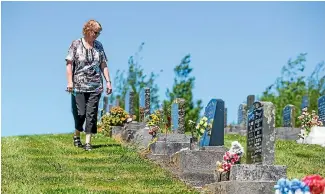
pixel 301 160
pixel 51 164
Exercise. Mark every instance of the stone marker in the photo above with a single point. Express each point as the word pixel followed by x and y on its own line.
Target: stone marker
pixel 305 102
pixel 258 175
pixel 250 101
pixel 129 102
pixel 242 115
pixel 110 107
pixel 261 133
pixel 288 116
pixel 144 104
pixel 321 109
pixel 214 111
pixel 178 116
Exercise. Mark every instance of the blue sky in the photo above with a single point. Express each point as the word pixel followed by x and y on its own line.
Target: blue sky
pixel 237 48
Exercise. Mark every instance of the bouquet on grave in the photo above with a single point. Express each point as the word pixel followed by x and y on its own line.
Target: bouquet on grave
pixel 308 121
pixel 204 125
pixel 311 184
pixel 231 157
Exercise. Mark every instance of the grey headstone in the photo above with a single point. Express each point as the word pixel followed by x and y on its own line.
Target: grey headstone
pixel 305 102
pixel 178 116
pixel 110 107
pixel 141 105
pixel 144 104
pixel 321 109
pixel 147 101
pixel 288 116
pixel 242 114
pixel 250 101
pixel 261 134
pixel 251 172
pixel 129 102
pixel 214 110
pixel 105 105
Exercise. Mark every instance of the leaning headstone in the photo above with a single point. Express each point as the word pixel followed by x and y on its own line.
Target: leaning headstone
pixel 305 102
pixel 129 102
pixel 261 133
pixel 214 111
pixel 321 109
pixel 242 115
pixel 178 116
pixel 288 116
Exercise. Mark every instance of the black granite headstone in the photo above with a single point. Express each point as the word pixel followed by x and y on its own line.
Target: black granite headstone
pixel 288 116
pixel 214 111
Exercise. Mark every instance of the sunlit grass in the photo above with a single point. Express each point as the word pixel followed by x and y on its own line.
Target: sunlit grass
pixel 50 164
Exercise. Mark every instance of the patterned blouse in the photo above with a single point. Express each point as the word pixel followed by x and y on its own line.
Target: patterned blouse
pixel 87 66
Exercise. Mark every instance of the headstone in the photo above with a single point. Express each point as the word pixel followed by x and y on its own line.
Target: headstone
pixel 117 102
pixel 129 102
pixel 147 101
pixel 178 116
pixel 288 116
pixel 250 101
pixel 305 102
pixel 141 105
pixel 261 134
pixel 242 114
pixel 225 117
pixel 105 105
pixel 144 104
pixel 105 108
pixel 321 109
pixel 110 106
pixel 214 111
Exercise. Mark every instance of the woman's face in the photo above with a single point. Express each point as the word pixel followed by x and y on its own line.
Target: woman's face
pixel 94 33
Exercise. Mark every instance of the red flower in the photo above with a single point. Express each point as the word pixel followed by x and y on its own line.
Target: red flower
pixel 316 183
pixel 227 156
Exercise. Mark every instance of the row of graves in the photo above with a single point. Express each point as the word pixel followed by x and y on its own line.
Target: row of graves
pixel 202 163
pixel 196 162
pixel 288 131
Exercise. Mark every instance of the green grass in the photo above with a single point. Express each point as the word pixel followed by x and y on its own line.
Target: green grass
pixel 301 160
pixel 50 164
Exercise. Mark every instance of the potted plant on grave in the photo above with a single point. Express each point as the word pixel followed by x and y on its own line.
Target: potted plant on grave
pixel 230 158
pixel 307 122
pixel 116 117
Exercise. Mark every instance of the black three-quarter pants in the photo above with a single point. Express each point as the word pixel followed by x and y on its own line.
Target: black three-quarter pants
pixel 85 107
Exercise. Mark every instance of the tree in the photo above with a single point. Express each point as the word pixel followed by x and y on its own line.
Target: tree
pixel 292 86
pixel 135 80
pixel 182 88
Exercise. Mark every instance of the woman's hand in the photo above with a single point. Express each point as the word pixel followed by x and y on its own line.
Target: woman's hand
pixel 69 87
pixel 108 88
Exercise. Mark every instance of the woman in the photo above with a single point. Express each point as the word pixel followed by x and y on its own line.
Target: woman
pixel 86 61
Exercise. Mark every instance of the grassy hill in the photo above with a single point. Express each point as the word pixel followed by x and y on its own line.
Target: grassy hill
pixel 50 164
